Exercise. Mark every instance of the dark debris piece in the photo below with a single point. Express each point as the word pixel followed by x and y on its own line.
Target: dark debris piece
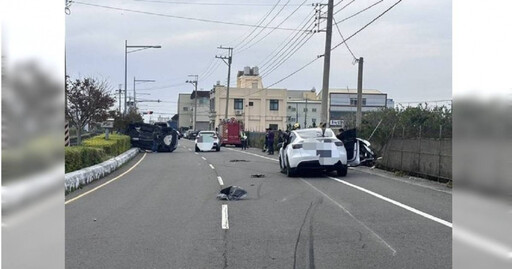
pixel 239 161
pixel 232 193
pixel 258 175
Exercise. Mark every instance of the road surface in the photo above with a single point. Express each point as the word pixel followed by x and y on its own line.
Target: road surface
pixel 161 211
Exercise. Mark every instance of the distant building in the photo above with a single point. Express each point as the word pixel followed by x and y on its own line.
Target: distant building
pixel 186 110
pixel 303 107
pixel 343 104
pixel 257 107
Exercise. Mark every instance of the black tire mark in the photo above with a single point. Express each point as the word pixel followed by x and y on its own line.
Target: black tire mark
pixel 298 236
pixel 311 236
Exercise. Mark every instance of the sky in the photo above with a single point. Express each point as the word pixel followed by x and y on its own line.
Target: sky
pixel 407 52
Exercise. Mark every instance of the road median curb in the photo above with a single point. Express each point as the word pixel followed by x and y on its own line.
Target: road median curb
pixel 85 176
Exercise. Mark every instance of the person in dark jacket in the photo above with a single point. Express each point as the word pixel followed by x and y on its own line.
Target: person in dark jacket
pixel 154 148
pixel 270 142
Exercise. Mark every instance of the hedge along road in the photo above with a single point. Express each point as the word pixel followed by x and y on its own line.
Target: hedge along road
pixel 164 213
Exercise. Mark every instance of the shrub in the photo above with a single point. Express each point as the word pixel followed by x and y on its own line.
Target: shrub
pixel 79 157
pixel 116 144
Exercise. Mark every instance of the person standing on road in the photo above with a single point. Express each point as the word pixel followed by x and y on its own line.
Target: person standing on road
pixel 243 137
pixel 270 142
pixel 154 148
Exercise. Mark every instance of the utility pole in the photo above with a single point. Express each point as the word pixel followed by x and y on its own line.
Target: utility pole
pixel 359 114
pixel 296 112
pixel 229 58
pixel 327 64
pixel 120 90
pixel 194 82
pixel 125 74
pixel 306 115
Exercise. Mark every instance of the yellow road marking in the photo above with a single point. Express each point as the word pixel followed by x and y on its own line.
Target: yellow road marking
pixel 106 183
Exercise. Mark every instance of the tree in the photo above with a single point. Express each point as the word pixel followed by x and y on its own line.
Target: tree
pixel 121 121
pixel 88 101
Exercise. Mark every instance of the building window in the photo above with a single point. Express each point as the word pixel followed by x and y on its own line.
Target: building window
pixel 292 119
pixel 305 110
pixel 239 104
pixel 313 110
pixel 353 102
pixel 273 126
pixel 251 103
pixel 274 104
pixel 185 108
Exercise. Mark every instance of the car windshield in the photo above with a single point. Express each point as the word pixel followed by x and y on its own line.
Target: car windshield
pixel 314 133
pixel 207 137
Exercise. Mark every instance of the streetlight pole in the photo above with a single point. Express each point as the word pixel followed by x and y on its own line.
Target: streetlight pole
pixel 194 82
pixel 137 48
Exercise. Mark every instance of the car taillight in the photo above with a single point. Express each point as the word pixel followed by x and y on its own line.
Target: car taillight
pixel 338 143
pixel 297 146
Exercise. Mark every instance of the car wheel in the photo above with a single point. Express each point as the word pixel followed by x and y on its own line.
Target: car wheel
pixel 342 172
pixel 197 149
pixel 290 172
pixel 218 148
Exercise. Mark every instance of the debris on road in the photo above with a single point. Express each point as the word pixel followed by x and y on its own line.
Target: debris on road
pixel 258 175
pixel 232 193
pixel 239 161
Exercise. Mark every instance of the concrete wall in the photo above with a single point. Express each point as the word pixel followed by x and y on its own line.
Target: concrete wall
pixel 428 157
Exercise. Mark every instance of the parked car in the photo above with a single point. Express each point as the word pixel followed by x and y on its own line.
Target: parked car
pixel 312 149
pixel 207 140
pixel 192 135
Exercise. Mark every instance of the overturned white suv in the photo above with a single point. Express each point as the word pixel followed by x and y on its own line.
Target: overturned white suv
pixel 313 149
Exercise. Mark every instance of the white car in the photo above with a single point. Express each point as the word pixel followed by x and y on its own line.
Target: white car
pixel 313 149
pixel 206 141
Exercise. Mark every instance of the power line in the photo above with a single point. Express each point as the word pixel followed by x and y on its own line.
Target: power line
pixel 266 59
pixel 271 31
pixel 368 24
pixel 287 47
pixel 178 17
pixel 266 25
pixel 258 24
pixel 343 7
pixel 355 33
pixel 210 3
pixel 355 58
pixel 361 11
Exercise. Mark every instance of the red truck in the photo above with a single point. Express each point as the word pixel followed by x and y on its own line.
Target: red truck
pixel 229 131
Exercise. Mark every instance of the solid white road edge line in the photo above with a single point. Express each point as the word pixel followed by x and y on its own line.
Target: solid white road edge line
pixel 220 181
pixel 211 166
pixel 225 217
pixel 353 217
pixel 406 207
pixel 416 211
pixel 484 244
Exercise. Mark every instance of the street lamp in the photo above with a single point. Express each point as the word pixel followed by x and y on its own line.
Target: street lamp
pixel 136 48
pixel 134 94
pixel 194 82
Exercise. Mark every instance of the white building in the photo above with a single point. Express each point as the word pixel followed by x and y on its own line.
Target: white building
pixel 343 104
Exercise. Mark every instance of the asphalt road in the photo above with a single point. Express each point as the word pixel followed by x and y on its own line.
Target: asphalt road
pixel 164 213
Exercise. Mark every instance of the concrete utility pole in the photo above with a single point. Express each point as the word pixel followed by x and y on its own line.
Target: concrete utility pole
pixel 229 58
pixel 359 114
pixel 120 90
pixel 194 82
pixel 306 114
pixel 327 64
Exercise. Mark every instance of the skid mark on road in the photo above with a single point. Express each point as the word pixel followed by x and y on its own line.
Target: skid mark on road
pixel 106 183
pixel 353 217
